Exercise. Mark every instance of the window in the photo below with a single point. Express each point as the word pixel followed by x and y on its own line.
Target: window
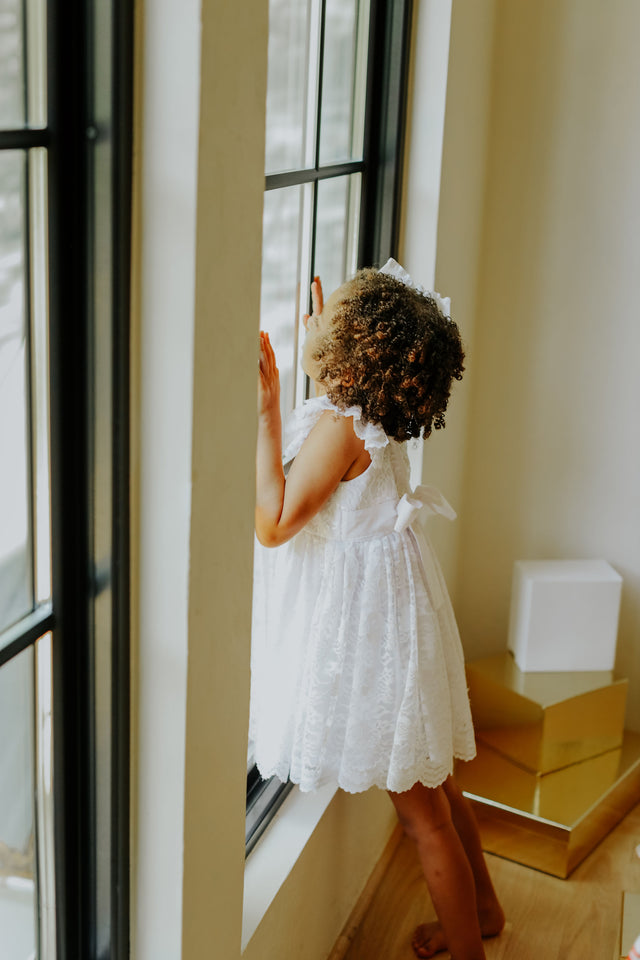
pixel 64 241
pixel 336 94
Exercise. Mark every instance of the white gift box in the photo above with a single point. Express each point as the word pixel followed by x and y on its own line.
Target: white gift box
pixel 564 614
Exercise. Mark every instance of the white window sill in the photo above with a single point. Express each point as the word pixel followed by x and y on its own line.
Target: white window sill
pixel 270 862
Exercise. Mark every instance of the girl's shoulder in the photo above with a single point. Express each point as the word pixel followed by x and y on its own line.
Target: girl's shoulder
pixel 304 418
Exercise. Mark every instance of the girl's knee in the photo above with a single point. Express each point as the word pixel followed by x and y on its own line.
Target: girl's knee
pixel 453 791
pixel 425 832
pixel 423 812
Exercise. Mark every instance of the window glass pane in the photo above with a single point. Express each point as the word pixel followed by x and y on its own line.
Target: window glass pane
pixel 337 230
pixel 40 372
pixel 11 64
pixel 285 280
pixel 292 84
pixel 44 802
pixel 15 551
pixel 18 902
pixel 36 62
pixel 344 80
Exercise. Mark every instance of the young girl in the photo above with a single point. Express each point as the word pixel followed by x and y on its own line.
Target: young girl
pixel 357 668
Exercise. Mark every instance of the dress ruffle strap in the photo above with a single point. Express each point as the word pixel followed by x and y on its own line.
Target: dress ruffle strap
pixel 303 419
pixel 372 433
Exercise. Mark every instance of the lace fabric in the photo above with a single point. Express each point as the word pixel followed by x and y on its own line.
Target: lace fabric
pixel 357 668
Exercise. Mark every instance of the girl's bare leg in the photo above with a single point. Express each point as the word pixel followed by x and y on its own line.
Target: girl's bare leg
pixel 429 938
pixel 490 912
pixel 427 818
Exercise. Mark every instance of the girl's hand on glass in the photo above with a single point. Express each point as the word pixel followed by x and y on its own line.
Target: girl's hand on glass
pixel 317 302
pixel 268 378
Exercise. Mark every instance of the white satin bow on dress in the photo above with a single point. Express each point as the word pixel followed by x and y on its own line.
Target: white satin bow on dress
pixel 396 516
pixel 423 496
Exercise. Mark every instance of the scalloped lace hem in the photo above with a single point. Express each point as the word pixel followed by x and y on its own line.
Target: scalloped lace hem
pixel 398 783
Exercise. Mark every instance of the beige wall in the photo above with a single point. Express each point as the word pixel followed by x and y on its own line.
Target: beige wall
pixel 537 205
pixel 553 454
pixel 458 250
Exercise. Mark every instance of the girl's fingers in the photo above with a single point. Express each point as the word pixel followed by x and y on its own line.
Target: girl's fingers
pixel 264 353
pixel 271 356
pixel 317 301
pixel 265 344
pixel 267 357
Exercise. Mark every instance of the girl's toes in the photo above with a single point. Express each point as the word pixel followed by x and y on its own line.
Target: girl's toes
pixel 428 940
pixel 423 952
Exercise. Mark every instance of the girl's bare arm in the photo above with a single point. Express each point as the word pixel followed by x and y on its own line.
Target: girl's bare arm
pixel 283 507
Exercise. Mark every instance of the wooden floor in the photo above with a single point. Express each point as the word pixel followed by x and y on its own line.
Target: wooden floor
pixel 547 918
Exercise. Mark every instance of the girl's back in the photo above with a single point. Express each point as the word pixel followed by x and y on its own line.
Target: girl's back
pixel 387 474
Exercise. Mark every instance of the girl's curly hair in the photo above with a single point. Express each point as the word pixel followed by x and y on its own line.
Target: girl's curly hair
pixel 392 353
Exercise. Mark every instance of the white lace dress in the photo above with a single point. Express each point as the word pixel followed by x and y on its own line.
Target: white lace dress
pixel 357 672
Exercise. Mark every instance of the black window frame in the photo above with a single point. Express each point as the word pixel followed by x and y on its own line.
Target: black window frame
pixel 381 171
pixel 77 210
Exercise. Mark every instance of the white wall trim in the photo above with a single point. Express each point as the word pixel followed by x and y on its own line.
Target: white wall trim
pixel 166 181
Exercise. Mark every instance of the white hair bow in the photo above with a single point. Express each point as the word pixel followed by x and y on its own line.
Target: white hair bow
pixel 393 269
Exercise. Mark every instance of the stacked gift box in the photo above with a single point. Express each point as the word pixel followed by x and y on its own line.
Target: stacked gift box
pixel 556 769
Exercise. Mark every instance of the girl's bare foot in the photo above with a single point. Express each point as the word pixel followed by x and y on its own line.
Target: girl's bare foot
pixel 428 939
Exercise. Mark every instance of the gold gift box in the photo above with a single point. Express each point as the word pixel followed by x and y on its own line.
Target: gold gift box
pixel 545 721
pixel 551 822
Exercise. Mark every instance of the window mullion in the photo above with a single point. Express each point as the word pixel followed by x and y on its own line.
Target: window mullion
pixel 24 139
pixel 314 226
pixel 314 63
pixel 69 391
pixel 25 632
pixel 323 14
pixel 291 178
pixel 384 129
